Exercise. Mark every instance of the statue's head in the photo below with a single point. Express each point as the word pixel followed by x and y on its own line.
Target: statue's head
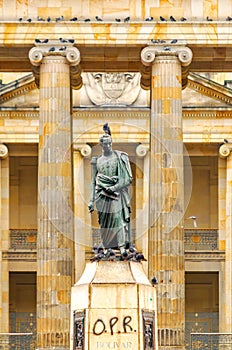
pixel 105 139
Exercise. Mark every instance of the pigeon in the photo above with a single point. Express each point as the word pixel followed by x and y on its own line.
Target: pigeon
pixel 167 48
pixel 124 255
pixel 63 48
pixel 49 19
pixel 172 19
pixel 52 49
pixel 228 18
pixel 87 20
pixel 174 41
pixel 29 20
pixel 98 257
pixel 61 18
pixel 20 19
pixel 208 19
pixel 117 20
pixel 71 41
pixel 154 281
pixel 106 129
pixel 74 19
pixel 110 254
pixel 63 40
pixel 40 19
pixel 37 41
pixel 149 19
pixel 95 248
pixel 183 19
pixel 225 141
pixel 162 19
pixel 44 41
pixel 133 250
pixel 140 257
pixel 98 19
pixel 154 41
pixel 127 19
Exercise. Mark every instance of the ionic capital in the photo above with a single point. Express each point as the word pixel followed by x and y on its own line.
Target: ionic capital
pixel 3 151
pixel 225 149
pixel 167 50
pixel 84 149
pixel 62 48
pixel 141 150
pixel 152 51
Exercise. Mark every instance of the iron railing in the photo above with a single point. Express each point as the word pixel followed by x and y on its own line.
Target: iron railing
pixel 201 239
pixel 17 341
pixel 23 239
pixel 211 341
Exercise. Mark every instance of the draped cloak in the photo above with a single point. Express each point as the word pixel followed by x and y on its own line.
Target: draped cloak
pixel 114 208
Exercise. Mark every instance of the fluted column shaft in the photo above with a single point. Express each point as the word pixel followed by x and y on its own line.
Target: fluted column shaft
pixel 226 327
pixel 82 225
pixel 166 202
pixel 4 237
pixel 55 207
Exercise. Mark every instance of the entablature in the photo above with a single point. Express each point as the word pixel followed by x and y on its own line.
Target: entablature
pixel 120 43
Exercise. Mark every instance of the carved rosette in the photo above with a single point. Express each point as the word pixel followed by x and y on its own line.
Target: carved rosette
pixel 224 150
pixel 3 151
pixel 183 53
pixel 57 48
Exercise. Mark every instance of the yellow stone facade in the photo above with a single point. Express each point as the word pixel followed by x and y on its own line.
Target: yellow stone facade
pixel 40 87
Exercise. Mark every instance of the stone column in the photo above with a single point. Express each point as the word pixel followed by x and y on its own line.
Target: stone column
pixel 221 236
pixel 166 202
pixel 225 152
pixel 4 240
pixel 142 183
pixel 82 223
pixel 53 64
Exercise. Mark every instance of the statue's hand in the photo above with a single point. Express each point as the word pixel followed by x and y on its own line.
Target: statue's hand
pixel 91 206
pixel 110 189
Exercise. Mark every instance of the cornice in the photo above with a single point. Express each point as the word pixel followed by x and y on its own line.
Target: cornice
pixel 207 113
pixel 20 256
pixel 209 88
pixel 188 113
pixel 17 91
pixel 19 114
pixel 111 113
pixel 197 256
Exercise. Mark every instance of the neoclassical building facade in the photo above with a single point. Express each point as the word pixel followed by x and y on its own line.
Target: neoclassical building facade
pixel 159 72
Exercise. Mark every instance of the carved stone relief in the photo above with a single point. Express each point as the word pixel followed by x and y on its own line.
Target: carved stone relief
pixel 113 89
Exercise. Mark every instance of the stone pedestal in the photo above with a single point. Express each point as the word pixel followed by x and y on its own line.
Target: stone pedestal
pixel 113 306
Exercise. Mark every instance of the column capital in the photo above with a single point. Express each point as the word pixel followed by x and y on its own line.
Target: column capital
pixel 3 151
pixel 225 150
pixel 141 150
pixel 167 50
pixel 84 149
pixel 57 48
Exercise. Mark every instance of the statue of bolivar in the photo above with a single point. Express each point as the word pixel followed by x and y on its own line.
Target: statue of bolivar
pixel 111 177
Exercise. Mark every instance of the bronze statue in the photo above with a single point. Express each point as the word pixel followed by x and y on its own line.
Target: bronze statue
pixel 111 177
